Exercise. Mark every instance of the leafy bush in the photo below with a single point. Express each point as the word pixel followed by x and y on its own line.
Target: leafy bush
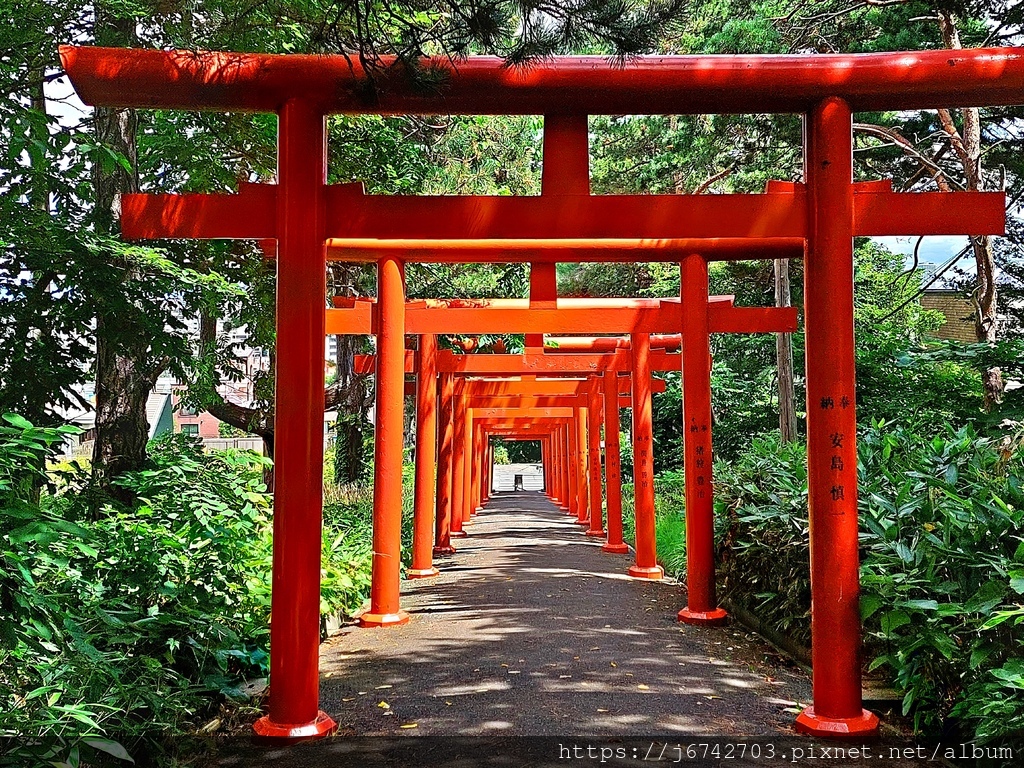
pixel 347 549
pixel 942 553
pixel 121 629
pixel 61 689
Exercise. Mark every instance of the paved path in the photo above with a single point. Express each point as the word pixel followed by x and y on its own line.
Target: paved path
pixel 533 631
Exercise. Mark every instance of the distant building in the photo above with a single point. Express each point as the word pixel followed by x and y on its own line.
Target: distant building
pixel 188 422
pixel 958 311
pixel 166 413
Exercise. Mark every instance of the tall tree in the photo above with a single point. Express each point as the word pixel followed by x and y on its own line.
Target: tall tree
pixel 966 142
pixel 784 357
pixel 44 324
pixel 123 377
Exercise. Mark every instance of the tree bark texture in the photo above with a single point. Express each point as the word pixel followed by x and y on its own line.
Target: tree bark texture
pixel 784 356
pixel 123 380
pixel 966 143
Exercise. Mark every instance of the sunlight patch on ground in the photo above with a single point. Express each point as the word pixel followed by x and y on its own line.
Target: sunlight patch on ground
pixel 484 686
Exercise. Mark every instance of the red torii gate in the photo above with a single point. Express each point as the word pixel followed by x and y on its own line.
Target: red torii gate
pixel 543 392
pixel 302 213
pixel 703 315
pixel 584 485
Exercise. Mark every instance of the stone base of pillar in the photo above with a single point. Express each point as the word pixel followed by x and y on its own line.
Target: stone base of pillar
pixel 652 572
pixel 265 731
pixel 715 618
pixel 458 534
pixel 615 549
pixel 596 533
pixel 446 550
pixel 383 619
pixel 421 573
pixel 860 728
pixel 583 522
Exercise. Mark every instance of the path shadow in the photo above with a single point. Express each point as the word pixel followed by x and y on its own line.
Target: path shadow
pixel 531 638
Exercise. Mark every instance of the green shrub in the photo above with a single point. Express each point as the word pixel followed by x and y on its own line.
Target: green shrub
pixel 943 553
pixel 63 686
pixel 122 629
pixel 942 565
pixel 347 549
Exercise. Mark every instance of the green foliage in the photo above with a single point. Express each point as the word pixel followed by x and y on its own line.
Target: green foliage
pixel 61 691
pixel 351 452
pixel 501 453
pixel 522 451
pixel 942 543
pixel 347 550
pixel 121 629
pixel 945 518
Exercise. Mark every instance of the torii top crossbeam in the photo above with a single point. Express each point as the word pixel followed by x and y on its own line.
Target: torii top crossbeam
pixel 485 85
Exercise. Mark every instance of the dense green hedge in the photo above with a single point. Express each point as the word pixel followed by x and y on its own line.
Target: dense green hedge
pixel 123 625
pixel 942 574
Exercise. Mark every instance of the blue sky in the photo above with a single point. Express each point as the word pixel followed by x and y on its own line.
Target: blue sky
pixel 933 252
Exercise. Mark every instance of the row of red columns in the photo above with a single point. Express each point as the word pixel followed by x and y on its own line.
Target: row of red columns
pixel 571 460
pixel 571 463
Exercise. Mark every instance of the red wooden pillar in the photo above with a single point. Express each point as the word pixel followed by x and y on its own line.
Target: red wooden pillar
pixel 646 565
pixel 299 429
pixel 485 484
pixel 468 501
pixel 567 503
pixel 557 495
pixel 565 171
pixel 387 471
pixel 545 458
pixel 446 435
pixel 482 453
pixel 426 460
pixel 488 462
pixel 474 471
pixel 612 466
pixel 837 710
pixel 571 466
pixel 594 456
pixel 556 488
pixel 560 453
pixel 582 471
pixel 553 452
pixel 701 601
pixel 458 458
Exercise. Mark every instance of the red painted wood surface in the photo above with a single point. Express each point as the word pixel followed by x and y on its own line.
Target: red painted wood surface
pixel 739 84
pixel 832 430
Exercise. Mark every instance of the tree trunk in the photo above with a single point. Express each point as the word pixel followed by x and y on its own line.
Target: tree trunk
pixel 348 395
pixel 784 356
pixel 123 382
pixel 966 144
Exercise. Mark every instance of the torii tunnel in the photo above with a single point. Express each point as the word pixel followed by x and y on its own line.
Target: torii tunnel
pixel 557 392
